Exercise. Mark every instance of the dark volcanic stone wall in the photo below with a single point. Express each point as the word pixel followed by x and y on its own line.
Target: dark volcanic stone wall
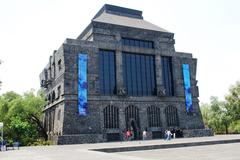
pixel 68 127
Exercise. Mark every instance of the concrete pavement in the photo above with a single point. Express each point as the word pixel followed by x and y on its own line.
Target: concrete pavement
pixel 229 151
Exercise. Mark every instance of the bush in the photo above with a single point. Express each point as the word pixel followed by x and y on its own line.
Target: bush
pixel 22 117
pixel 235 127
pixel 41 142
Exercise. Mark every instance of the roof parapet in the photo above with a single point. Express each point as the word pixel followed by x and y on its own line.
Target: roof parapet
pixel 127 12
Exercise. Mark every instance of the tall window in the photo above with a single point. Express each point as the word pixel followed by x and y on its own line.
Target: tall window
pixel 49 72
pixel 137 43
pixel 132 114
pixel 53 70
pixel 53 96
pixel 139 74
pixel 45 123
pixel 50 119
pixel 59 91
pixel 154 119
pixel 46 74
pixel 59 114
pixel 171 116
pixel 107 72
pixel 49 98
pixel 167 75
pixel 59 65
pixel 111 118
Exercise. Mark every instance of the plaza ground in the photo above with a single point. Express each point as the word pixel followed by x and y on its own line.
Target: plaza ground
pixel 228 151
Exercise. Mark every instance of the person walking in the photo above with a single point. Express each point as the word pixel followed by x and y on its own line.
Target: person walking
pixel 165 135
pixel 128 135
pixel 144 134
pixel 169 134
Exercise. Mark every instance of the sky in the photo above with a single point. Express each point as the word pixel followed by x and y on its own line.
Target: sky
pixel 209 29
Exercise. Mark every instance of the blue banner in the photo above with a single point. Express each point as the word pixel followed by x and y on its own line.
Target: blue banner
pixel 82 84
pixel 187 87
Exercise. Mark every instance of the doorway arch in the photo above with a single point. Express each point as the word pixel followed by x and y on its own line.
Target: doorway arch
pixel 132 121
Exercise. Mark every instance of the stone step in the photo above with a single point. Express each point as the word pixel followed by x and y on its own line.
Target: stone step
pixel 165 146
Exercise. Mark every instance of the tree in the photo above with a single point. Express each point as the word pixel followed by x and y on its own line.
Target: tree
pixel 22 116
pixel 5 103
pixel 233 101
pixel 206 112
pixel 0 80
pixel 33 110
pixel 215 120
pixel 216 115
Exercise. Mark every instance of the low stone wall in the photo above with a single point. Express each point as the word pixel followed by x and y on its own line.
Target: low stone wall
pixel 78 139
pixel 197 133
pixel 97 138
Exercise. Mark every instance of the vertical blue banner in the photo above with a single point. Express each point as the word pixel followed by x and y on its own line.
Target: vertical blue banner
pixel 187 87
pixel 82 84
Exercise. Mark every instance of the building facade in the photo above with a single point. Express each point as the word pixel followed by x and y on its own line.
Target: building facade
pixel 121 73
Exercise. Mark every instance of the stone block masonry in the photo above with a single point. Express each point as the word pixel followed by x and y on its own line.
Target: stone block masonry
pixel 134 82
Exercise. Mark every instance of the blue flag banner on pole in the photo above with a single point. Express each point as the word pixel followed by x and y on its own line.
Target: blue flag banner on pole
pixel 187 87
pixel 82 84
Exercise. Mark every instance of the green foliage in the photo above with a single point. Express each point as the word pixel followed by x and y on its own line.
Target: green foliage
pixel 206 112
pixel 0 80
pixel 216 116
pixel 233 101
pixel 223 116
pixel 235 127
pixel 22 116
pixel 41 142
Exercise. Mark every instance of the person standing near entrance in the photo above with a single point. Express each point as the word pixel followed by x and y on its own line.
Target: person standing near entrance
pixel 131 135
pixel 165 135
pixel 144 134
pixel 128 135
pixel 169 134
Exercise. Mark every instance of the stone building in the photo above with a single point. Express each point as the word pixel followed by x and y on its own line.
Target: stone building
pixel 120 73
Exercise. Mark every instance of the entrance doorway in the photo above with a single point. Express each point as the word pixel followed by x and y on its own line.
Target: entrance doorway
pixel 132 121
pixel 135 129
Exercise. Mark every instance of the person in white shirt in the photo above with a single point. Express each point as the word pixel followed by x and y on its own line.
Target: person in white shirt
pixel 144 135
pixel 169 134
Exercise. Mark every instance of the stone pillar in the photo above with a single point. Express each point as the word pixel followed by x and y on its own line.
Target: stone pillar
pixel 159 79
pixel 119 74
pixel 122 121
pixel 177 77
pixel 163 117
pixel 143 117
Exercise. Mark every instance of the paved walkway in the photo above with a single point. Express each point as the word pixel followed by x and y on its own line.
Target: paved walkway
pixel 82 152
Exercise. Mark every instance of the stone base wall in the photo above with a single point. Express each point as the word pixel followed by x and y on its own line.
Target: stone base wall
pixel 197 133
pixel 78 139
pixel 97 138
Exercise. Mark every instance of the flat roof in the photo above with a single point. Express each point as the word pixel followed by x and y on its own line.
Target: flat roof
pixel 105 17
